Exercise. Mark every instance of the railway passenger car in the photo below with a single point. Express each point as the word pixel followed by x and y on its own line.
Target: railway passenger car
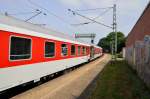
pixel 29 52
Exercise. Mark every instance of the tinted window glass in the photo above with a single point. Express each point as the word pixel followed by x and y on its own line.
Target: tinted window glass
pixel 20 48
pixel 72 50
pixel 49 49
pixel 79 50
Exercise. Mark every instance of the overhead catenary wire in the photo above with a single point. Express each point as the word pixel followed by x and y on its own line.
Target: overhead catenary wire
pixel 101 14
pixel 49 12
pixel 76 13
pixel 94 9
pixel 24 13
pixel 21 13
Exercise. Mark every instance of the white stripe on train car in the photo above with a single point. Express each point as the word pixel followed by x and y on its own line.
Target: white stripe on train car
pixel 13 76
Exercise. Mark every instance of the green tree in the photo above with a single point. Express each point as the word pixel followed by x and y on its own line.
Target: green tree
pixel 106 42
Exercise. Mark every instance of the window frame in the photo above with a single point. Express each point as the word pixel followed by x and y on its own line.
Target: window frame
pixel 10 47
pixel 67 50
pixel 74 50
pixel 54 48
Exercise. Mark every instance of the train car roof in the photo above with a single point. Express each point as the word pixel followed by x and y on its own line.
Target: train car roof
pixel 97 46
pixel 8 23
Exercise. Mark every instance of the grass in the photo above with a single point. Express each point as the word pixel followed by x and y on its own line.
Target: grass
pixel 119 81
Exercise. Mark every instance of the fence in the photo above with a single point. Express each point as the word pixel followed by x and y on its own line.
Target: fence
pixel 138 56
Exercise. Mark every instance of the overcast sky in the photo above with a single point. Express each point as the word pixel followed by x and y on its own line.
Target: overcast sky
pixel 58 17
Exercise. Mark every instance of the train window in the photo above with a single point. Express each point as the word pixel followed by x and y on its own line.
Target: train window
pixel 79 50
pixel 73 50
pixel 86 50
pixel 83 51
pixel 64 50
pixel 20 48
pixel 49 49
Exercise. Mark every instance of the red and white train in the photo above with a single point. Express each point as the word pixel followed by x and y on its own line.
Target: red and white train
pixel 29 52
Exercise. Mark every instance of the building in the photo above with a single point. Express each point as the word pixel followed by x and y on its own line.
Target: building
pixel 138 46
pixel 141 28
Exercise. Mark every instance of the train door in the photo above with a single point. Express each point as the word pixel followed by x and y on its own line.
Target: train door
pixel 91 52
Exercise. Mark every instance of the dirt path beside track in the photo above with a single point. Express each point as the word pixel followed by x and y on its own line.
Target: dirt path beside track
pixel 68 86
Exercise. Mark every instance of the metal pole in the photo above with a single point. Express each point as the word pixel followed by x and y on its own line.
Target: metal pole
pixel 111 49
pixel 115 29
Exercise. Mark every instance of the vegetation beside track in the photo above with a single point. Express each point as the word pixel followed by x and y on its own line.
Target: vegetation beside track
pixel 119 81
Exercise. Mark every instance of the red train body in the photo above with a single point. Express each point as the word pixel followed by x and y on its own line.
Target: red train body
pixel 28 52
